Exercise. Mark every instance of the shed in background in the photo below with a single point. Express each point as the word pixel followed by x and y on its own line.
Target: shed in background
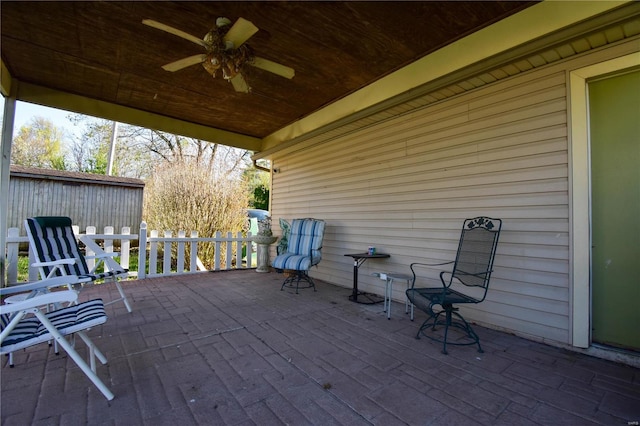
pixel 88 199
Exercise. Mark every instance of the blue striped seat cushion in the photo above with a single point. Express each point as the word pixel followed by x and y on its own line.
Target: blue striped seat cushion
pixel 71 319
pixel 292 261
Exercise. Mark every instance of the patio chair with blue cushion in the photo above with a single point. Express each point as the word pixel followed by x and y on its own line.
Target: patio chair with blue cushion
pixel 467 282
pixel 57 253
pixel 26 323
pixel 304 250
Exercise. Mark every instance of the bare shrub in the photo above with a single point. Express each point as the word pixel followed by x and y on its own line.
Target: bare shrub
pixel 188 197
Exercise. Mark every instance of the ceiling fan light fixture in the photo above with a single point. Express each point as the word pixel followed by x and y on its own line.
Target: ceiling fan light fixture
pixel 226 50
pixel 221 54
pixel 211 64
pixel 222 21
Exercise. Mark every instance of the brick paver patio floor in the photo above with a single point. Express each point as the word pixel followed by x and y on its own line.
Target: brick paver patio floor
pixel 230 348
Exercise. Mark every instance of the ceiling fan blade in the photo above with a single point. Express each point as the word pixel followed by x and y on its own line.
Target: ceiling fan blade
pixel 273 67
pixel 240 32
pixel 185 62
pixel 175 31
pixel 240 84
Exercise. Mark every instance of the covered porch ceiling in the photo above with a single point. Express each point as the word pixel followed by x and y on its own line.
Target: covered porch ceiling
pixel 98 58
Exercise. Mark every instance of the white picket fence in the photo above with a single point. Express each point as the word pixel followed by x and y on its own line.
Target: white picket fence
pixel 153 245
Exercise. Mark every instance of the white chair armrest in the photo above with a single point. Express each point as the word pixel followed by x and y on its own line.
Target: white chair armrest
pixel 40 300
pixel 103 255
pixel 68 261
pixel 44 284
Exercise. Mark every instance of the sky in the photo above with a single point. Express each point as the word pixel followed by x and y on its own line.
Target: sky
pixel 25 111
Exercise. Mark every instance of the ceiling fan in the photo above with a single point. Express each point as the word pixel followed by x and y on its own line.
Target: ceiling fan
pixel 226 51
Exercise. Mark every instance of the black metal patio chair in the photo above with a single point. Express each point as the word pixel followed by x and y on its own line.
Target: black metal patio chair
pixel 467 282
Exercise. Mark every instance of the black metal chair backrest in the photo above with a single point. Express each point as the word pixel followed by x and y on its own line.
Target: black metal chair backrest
pixel 476 251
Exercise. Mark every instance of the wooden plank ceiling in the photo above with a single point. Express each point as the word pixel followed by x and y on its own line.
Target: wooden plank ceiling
pixel 101 50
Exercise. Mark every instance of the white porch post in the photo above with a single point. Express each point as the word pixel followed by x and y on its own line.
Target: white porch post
pixel 5 162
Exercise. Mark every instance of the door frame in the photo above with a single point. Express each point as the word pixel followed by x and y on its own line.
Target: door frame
pixel 580 194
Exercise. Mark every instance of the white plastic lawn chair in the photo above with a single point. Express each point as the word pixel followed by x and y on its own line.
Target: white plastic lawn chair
pixel 26 323
pixel 54 245
pixel 18 293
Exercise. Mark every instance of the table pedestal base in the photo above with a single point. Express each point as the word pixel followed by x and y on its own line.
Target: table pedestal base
pixel 263 258
pixel 358 296
pixel 366 298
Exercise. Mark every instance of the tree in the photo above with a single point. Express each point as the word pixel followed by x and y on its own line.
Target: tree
pixel 258 181
pixel 183 196
pixel 191 184
pixel 39 144
pixel 140 150
pixel 176 149
pixel 89 151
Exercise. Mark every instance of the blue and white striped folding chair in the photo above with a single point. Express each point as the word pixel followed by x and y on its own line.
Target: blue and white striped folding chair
pixel 304 250
pixel 56 250
pixel 25 323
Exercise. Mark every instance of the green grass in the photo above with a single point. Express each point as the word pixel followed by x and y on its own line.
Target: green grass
pixel 23 265
pixel 23 268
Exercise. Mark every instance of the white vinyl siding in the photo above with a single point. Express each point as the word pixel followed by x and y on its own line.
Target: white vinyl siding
pixel 405 183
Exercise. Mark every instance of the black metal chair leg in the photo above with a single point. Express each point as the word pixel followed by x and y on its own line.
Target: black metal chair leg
pixel 470 332
pixel 300 276
pixel 446 329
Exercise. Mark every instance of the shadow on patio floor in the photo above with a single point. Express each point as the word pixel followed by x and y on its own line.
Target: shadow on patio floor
pixel 230 348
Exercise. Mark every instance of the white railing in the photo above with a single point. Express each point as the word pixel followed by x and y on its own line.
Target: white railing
pixel 153 245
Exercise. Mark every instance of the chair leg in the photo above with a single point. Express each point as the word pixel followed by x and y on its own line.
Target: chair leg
pixel 288 282
pixel 448 321
pixel 86 369
pixel 407 302
pixel 469 330
pixel 300 275
pixel 124 297
pixel 428 323
pixel 94 352
pixel 446 330
pixel 388 290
